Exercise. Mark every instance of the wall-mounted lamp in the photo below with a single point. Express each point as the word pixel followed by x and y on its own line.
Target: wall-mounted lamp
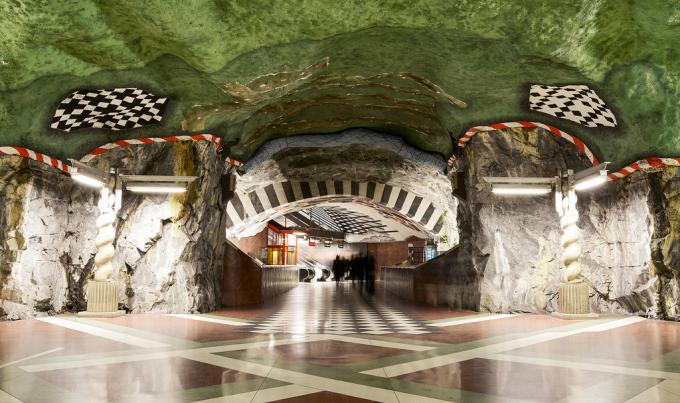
pixel 521 186
pixel 102 292
pixel 155 184
pixel 573 293
pixel 87 175
pixel 591 177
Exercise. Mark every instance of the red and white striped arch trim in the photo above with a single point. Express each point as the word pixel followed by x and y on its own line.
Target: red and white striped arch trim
pixel 508 125
pixel 644 164
pixel 234 162
pixel 36 156
pixel 150 140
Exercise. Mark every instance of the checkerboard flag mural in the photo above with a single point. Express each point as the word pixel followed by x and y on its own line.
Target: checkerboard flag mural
pixel 577 103
pixel 113 109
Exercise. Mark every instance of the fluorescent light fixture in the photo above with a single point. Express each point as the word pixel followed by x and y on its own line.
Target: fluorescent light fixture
pixel 592 182
pixel 520 189
pixel 591 177
pixel 156 184
pixel 87 180
pixel 87 175
pixel 299 233
pixel 156 187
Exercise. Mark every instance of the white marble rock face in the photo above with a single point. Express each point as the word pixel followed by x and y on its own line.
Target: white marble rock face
pixel 515 240
pixel 169 248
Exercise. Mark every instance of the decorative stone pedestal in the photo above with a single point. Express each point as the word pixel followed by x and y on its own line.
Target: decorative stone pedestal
pixel 573 302
pixel 102 299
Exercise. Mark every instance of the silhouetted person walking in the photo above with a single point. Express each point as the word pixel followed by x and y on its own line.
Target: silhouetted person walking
pixel 337 270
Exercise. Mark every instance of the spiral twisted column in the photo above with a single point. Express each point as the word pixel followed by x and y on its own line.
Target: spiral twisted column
pixel 570 238
pixel 102 292
pixel 105 236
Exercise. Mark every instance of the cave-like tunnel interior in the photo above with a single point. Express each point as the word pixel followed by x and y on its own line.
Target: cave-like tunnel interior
pixel 395 201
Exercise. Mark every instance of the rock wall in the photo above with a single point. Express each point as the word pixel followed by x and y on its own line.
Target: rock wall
pixel 168 248
pixel 47 236
pixel 629 231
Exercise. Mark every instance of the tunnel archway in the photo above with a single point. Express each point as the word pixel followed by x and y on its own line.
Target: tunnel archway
pixel 262 204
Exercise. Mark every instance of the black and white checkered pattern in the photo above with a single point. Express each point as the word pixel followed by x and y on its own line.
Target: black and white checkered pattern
pixel 114 109
pixel 577 103
pixel 324 308
pixel 244 208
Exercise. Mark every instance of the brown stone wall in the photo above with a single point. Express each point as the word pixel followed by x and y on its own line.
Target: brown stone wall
pixel 242 280
pixel 391 253
pixel 252 245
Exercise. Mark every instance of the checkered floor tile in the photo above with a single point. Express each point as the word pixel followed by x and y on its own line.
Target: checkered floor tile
pixel 327 308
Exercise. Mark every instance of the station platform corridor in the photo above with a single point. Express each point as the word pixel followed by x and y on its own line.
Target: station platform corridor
pixel 338 343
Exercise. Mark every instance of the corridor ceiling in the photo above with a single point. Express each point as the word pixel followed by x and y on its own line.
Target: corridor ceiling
pixel 426 70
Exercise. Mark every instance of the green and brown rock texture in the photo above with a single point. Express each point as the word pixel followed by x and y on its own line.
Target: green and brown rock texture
pixel 422 69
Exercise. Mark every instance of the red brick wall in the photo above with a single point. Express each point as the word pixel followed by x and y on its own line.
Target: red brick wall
pixel 390 253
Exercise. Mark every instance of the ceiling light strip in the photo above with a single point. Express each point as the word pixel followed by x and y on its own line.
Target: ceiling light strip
pixel 36 156
pixel 510 125
pixel 150 140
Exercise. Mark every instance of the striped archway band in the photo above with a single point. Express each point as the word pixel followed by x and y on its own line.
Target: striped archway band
pixel 259 205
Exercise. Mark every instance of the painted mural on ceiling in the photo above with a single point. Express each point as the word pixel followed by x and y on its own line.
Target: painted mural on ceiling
pixel 425 70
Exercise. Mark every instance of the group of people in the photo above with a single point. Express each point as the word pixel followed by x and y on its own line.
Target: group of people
pixel 358 268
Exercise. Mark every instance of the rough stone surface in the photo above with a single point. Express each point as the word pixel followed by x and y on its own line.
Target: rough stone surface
pixel 47 236
pixel 357 155
pixel 169 248
pixel 629 232
pixel 189 50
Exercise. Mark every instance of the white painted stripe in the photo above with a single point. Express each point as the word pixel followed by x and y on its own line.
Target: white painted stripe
pixel 363 189
pixel 379 343
pixel 330 187
pixel 421 210
pixel 314 187
pixel 233 215
pixel 297 190
pixel 30 357
pixel 280 194
pixel 117 359
pixel 210 319
pixel 582 365
pixel 132 357
pixel 616 324
pixel 379 189
pixel 433 219
pixel 262 195
pixel 475 319
pixel 347 187
pixel 446 359
pixel 104 333
pixel 301 379
pixel 393 197
pixel 247 204
pixel 407 203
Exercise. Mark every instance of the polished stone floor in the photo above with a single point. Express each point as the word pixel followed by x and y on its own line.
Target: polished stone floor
pixel 322 343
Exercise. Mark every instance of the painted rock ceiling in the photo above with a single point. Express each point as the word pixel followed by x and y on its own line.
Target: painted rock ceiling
pixel 427 70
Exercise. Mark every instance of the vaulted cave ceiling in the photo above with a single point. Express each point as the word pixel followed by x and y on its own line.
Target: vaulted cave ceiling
pixel 425 70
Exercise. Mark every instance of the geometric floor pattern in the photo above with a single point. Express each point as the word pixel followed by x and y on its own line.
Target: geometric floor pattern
pixel 329 308
pixel 463 356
